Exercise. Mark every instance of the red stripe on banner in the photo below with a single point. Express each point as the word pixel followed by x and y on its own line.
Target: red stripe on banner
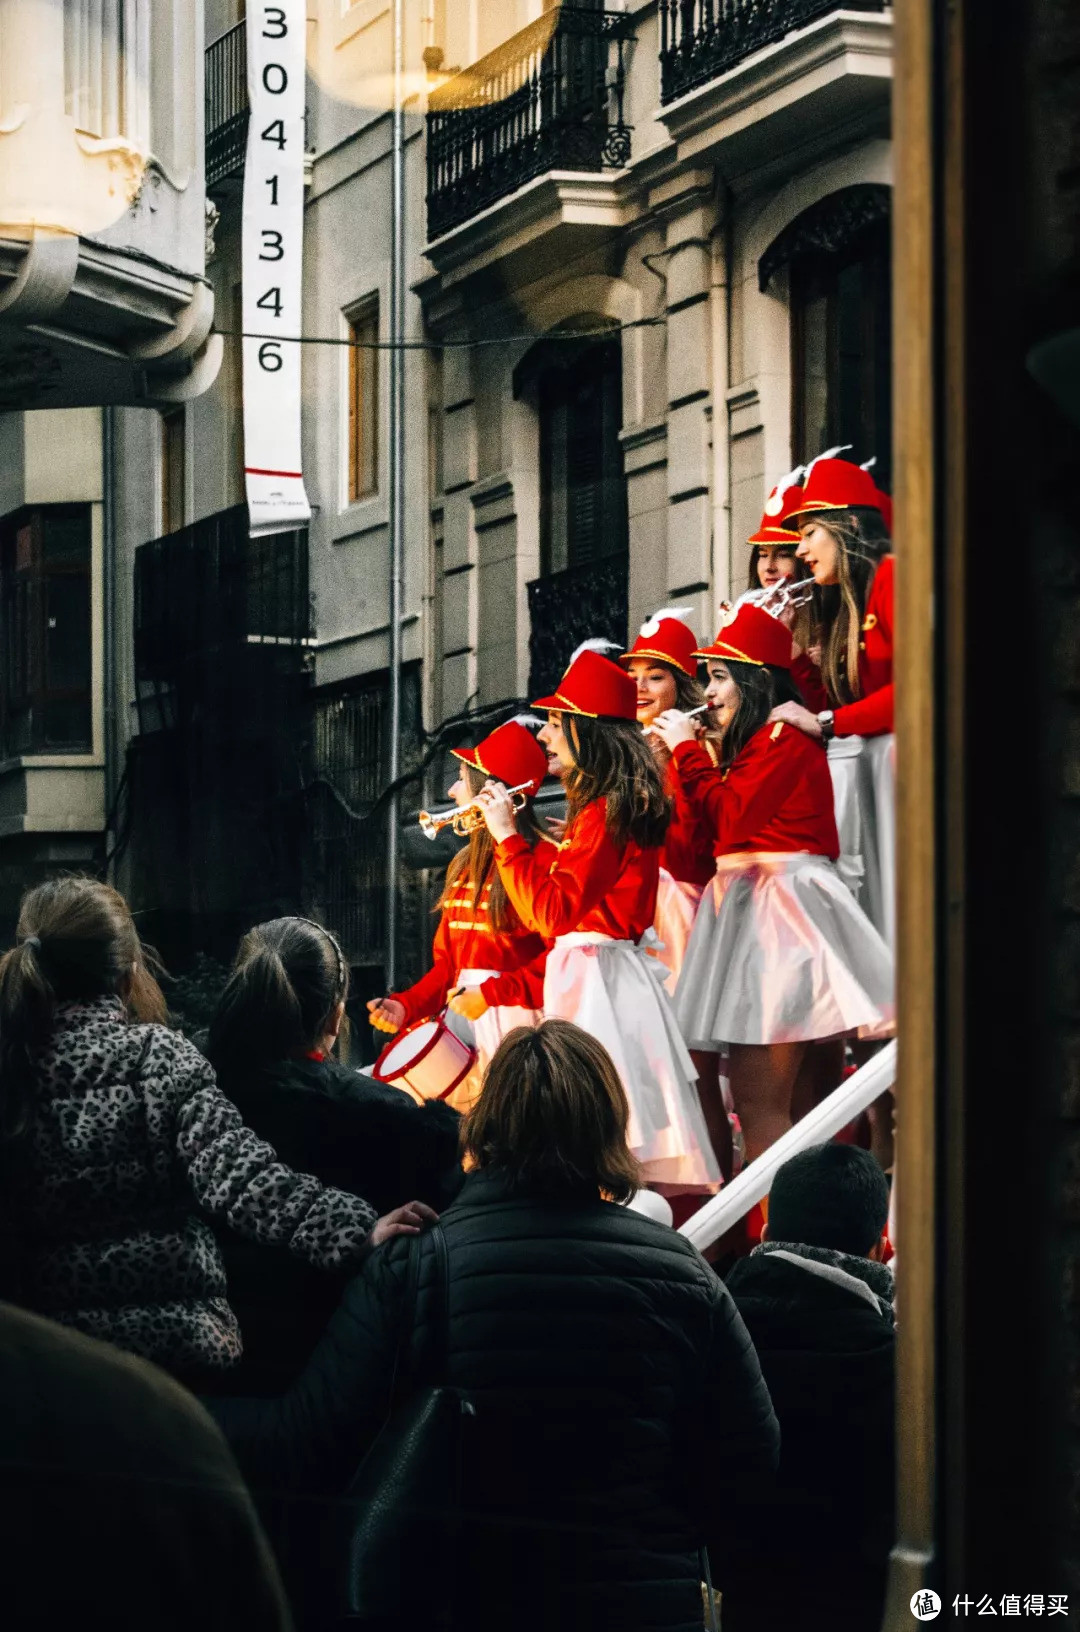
pixel 253 470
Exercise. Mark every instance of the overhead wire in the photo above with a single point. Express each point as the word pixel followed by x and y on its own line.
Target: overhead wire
pixel 604 333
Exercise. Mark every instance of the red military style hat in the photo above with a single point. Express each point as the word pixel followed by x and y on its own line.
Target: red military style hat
pixel 783 502
pixel 596 687
pixel 666 637
pixel 751 636
pixel 836 484
pixel 511 755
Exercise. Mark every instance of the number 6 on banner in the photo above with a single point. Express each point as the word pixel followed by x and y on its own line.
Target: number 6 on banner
pixel 270 356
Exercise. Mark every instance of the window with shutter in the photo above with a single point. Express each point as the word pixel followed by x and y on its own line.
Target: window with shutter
pixel 582 487
pixel 45 631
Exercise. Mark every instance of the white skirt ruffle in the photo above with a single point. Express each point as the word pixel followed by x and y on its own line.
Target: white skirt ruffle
pixel 781 953
pixel 484 1034
pixel 676 909
pixel 863 771
pixel 613 990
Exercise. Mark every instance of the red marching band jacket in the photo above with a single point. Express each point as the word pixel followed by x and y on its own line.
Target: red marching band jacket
pixel 776 795
pixel 687 850
pixel 594 885
pixel 870 715
pixel 465 939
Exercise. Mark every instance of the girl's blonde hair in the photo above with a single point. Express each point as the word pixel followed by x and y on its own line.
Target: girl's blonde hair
pixel 862 541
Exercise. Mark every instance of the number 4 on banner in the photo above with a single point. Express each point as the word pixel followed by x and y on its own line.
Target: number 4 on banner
pixel 273 232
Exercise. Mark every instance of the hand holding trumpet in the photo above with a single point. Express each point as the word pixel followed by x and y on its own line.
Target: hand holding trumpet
pixel 496 805
pixel 673 727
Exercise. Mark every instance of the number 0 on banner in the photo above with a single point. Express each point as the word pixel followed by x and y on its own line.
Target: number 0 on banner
pixel 272 266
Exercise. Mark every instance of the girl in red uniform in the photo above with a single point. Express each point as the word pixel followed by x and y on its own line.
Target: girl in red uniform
pixel 844 541
pixel 774 566
pixel 485 963
pixel 662 665
pixel 597 901
pixel 781 957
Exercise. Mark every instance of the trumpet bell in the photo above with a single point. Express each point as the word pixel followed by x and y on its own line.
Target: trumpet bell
pixel 465 819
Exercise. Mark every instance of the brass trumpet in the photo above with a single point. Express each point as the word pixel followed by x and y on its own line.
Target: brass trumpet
pixel 465 819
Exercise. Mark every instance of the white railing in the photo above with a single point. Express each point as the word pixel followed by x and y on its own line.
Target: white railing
pixel 823 1123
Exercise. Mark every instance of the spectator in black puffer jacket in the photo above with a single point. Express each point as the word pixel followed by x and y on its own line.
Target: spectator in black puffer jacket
pixel 817 1301
pixel 620 1408
pixel 113 1131
pixel 271 1044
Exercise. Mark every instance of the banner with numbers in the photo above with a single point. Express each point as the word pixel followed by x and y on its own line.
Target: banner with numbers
pixel 272 265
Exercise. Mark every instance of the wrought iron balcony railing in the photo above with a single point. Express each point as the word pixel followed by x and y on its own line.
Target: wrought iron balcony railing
pixel 550 98
pixel 701 39
pixel 211 586
pixel 227 110
pixel 568 607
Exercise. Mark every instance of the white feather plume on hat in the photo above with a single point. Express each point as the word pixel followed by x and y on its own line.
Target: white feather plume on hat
pixel 775 502
pixel 869 465
pixel 651 626
pixel 531 722
pixel 830 453
pixel 598 644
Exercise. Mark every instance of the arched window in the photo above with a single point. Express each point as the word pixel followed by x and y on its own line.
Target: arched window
pixel 837 256
pixel 576 385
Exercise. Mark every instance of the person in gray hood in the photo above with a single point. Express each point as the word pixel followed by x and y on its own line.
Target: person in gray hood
pixel 817 1300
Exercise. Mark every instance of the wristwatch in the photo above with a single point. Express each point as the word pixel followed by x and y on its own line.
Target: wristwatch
pixel 827 724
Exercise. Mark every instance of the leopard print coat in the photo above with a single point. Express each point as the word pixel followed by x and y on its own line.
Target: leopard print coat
pixel 132 1133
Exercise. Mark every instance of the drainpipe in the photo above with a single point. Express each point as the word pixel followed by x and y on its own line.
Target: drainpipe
pixel 108 595
pixel 397 478
pixel 721 382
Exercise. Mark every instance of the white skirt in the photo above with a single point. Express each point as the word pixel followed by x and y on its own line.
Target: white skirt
pixel 781 953
pixel 863 771
pixel 613 990
pixel 676 908
pixel 484 1034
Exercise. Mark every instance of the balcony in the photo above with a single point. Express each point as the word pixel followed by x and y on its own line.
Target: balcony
pixel 227 110
pixel 702 39
pixel 549 99
pixel 565 608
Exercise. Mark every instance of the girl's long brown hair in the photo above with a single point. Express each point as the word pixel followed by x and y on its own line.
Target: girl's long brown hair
pixel 475 861
pixel 862 541
pixel 76 941
pixel 613 761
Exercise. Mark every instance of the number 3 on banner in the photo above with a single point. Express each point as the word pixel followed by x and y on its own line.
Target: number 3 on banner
pixel 274 18
pixel 270 356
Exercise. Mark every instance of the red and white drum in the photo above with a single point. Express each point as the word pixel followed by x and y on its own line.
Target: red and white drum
pixel 426 1059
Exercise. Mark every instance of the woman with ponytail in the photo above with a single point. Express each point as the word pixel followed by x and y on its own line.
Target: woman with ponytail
pixel 114 1133
pixel 272 1043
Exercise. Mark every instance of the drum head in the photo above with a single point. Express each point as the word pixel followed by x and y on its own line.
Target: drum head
pixel 399 1054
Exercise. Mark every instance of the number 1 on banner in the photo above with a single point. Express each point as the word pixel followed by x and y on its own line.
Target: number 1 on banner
pixel 273 230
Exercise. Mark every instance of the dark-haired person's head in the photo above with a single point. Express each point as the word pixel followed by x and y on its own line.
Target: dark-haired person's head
pixel 286 996
pixel 77 941
pixel 553 1116
pixel 832 1196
